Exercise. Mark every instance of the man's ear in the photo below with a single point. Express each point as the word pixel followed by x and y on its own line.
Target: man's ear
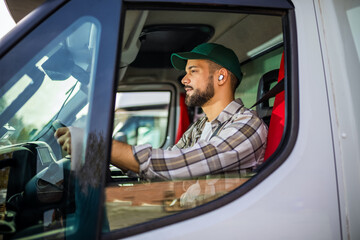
pixel 223 76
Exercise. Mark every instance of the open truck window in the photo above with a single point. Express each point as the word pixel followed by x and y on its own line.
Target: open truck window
pixel 149 38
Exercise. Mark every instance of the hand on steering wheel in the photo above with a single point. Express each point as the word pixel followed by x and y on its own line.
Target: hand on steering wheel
pixel 63 136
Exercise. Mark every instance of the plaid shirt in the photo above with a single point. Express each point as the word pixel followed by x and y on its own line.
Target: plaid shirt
pixel 237 145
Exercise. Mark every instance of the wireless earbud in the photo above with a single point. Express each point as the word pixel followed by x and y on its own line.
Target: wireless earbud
pixel 221 77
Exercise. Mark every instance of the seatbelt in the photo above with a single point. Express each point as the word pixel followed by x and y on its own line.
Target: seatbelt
pixel 279 87
pixel 217 129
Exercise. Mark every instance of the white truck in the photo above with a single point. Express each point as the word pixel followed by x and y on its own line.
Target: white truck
pixel 66 61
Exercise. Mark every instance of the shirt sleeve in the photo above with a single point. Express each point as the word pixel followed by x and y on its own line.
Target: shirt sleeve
pixel 239 145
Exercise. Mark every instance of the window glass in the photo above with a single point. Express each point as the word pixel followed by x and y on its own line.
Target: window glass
pixel 149 39
pixel 139 202
pixel 31 118
pixel 37 195
pixel 139 121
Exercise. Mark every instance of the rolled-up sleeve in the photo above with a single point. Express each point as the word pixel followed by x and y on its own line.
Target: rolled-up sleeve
pixel 239 145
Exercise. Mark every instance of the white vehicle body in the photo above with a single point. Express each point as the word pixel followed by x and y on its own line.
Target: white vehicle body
pixel 315 193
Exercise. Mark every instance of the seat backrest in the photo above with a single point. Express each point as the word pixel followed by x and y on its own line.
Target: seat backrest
pixel 264 109
pixel 184 120
pixel 277 120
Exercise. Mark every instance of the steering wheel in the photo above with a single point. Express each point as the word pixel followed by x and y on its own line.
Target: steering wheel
pixel 50 190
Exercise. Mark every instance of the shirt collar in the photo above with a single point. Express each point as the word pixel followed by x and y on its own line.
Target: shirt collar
pixel 228 112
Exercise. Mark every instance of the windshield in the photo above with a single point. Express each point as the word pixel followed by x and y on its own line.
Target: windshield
pixel 37 111
pixel 50 89
pixel 43 89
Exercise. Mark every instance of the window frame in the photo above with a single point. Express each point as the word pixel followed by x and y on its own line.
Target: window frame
pixel 285 9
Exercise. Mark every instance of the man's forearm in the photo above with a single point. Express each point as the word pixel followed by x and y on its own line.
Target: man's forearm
pixel 122 156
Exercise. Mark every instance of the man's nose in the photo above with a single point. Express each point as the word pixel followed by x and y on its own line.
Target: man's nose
pixel 185 80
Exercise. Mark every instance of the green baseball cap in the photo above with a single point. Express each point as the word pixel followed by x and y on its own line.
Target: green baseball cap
pixel 213 52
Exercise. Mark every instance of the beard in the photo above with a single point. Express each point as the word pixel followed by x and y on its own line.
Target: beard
pixel 199 98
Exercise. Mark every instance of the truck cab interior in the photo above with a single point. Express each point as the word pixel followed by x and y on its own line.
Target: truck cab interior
pixel 145 66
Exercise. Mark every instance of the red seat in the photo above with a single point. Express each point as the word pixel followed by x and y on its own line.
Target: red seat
pixel 277 121
pixel 184 120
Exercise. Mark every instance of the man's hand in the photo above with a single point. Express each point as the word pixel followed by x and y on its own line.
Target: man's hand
pixel 64 138
pixel 121 153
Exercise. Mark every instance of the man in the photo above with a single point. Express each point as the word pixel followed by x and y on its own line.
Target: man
pixel 229 138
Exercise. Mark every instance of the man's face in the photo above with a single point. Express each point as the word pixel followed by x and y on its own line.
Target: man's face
pixel 198 83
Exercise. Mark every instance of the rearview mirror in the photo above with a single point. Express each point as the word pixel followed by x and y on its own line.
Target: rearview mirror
pixel 61 65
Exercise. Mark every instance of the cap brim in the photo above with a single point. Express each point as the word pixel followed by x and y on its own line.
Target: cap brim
pixel 179 60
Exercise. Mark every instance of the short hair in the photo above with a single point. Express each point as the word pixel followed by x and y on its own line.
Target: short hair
pixel 214 67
